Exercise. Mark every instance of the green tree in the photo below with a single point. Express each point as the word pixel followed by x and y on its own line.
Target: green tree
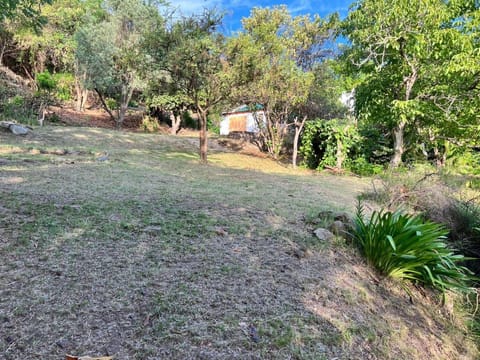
pixel 409 55
pixel 111 53
pixel 53 47
pixel 188 58
pixel 271 65
pixel 323 101
pixel 29 9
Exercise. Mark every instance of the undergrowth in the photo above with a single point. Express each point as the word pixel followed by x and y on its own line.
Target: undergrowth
pixel 408 248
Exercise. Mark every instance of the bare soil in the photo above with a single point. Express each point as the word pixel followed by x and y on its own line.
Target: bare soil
pixel 150 255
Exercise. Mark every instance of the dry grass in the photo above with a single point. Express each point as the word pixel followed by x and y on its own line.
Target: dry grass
pixel 151 255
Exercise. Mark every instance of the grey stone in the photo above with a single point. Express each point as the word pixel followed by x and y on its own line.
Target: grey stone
pixel 18 129
pixel 153 229
pixel 338 228
pixel 323 234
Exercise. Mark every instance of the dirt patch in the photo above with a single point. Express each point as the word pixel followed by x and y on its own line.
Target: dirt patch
pixel 93 118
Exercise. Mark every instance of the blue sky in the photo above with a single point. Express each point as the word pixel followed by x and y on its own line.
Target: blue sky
pixel 237 9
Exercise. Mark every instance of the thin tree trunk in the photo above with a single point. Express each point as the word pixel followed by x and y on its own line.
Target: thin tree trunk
pixel 398 145
pixel 85 93
pixel 82 93
pixel 105 105
pixel 121 115
pixel 203 137
pixel 340 155
pixel 2 52
pixel 176 120
pixel 298 130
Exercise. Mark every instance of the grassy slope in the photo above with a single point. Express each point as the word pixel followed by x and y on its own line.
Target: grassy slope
pixel 151 255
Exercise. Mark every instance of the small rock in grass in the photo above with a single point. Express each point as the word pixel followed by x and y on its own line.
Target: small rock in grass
pixel 338 228
pixel 153 229
pixel 323 234
pixel 18 129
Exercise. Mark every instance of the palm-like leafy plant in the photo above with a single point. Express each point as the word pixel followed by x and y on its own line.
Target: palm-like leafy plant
pixel 407 247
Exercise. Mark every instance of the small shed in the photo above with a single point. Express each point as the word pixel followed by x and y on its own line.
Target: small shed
pixel 242 119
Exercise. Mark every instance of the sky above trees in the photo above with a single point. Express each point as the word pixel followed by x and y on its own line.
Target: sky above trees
pixel 235 10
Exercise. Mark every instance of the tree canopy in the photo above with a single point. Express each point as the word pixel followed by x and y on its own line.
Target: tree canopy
pixel 271 64
pixel 420 68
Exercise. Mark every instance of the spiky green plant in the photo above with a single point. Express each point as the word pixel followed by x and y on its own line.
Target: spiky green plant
pixel 407 247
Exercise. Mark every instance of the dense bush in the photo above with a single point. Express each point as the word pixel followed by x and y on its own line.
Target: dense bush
pixel 213 123
pixel 45 81
pixel 362 167
pixel 64 86
pixel 321 141
pixel 150 124
pixel 409 248
pixel 188 121
pixel 361 151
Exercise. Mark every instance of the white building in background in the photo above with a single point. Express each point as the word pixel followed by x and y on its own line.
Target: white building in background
pixel 241 119
pixel 348 99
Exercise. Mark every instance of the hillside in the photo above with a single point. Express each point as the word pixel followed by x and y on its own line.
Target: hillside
pixel 151 255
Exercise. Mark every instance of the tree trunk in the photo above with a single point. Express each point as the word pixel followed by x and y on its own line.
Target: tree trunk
pixel 340 155
pixel 296 138
pixel 125 99
pixel 398 145
pixel 105 105
pixel 82 93
pixel 399 130
pixel 203 136
pixel 82 96
pixel 2 52
pixel 176 120
pixel 121 115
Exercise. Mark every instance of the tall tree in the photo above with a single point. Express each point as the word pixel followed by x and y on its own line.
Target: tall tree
pixel 111 53
pixel 52 47
pixel 30 9
pixel 188 57
pixel 271 65
pixel 407 52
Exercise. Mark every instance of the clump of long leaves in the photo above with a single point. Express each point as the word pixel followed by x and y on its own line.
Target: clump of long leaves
pixel 407 247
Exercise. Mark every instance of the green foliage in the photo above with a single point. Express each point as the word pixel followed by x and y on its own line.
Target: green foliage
pixel 321 141
pixel 272 62
pixel 17 100
pixel 150 124
pixel 26 10
pixel 189 121
pixel 21 109
pixel 464 162
pixel 213 124
pixel 65 83
pixel 362 167
pixel 467 216
pixel 111 103
pixel 45 81
pixel 408 248
pixel 417 69
pixel 111 53
pixel 187 55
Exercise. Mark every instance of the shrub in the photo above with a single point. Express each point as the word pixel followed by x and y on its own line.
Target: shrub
pixel 111 103
pixel 362 167
pixel 45 81
pixel 321 139
pixel 189 121
pixel 150 124
pixel 213 125
pixel 65 86
pixel 406 247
